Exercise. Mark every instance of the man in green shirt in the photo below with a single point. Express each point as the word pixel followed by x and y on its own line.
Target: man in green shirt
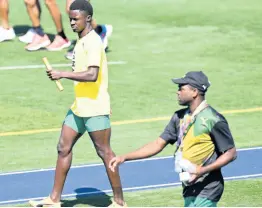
pixel 203 139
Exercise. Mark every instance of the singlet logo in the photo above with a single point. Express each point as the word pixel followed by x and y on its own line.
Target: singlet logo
pixel 73 61
pixel 204 120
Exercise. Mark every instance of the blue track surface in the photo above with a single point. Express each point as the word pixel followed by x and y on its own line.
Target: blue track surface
pixel 145 174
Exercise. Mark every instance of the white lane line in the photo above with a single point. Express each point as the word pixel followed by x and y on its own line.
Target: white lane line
pixel 243 176
pixel 95 192
pixel 53 65
pixel 250 148
pixel 81 166
pixel 101 164
pixel 126 189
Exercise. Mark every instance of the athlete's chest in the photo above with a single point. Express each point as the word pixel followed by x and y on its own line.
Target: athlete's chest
pixel 79 57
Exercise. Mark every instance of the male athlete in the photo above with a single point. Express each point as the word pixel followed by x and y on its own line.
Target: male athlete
pixel 104 31
pixel 91 108
pixel 204 143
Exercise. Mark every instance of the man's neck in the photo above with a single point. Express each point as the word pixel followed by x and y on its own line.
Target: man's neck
pixel 193 106
pixel 84 32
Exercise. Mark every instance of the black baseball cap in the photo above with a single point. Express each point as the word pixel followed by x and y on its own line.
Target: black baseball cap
pixel 196 79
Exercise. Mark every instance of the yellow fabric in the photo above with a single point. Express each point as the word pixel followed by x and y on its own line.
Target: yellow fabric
pixel 197 149
pixel 91 98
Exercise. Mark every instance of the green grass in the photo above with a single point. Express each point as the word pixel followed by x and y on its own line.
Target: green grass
pixel 39 150
pixel 158 43
pixel 158 40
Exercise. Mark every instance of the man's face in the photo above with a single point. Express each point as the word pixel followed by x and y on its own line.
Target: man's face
pixel 186 94
pixel 78 20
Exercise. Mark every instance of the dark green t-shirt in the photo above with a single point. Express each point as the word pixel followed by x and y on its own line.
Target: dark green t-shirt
pixel 207 138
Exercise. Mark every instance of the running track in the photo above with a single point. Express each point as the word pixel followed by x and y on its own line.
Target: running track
pixel 19 187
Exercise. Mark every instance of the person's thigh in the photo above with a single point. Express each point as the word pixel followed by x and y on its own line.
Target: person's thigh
pixel 75 122
pixel 97 123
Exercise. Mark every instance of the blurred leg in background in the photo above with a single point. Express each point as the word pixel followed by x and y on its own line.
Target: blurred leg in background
pixel 6 32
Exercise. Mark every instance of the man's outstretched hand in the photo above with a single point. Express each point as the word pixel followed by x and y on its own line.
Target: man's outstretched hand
pixel 115 162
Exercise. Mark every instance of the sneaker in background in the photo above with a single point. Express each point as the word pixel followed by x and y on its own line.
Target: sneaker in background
pixel 6 34
pixel 58 44
pixel 28 37
pixel 38 42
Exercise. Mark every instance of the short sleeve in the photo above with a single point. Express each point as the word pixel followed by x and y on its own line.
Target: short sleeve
pixel 170 132
pixel 222 136
pixel 94 52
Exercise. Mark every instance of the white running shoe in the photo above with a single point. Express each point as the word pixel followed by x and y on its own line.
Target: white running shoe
pixel 109 31
pixel 69 55
pixel 6 34
pixel 28 37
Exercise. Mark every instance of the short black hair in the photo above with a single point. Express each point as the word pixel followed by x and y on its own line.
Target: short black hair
pixel 82 5
pixel 202 93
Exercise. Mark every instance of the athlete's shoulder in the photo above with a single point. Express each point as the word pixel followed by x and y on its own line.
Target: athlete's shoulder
pixel 181 113
pixel 92 41
pixel 211 116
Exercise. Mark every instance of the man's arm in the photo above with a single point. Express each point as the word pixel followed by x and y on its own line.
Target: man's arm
pixel 92 61
pixel 168 136
pixel 223 160
pixel 225 146
pixel 89 75
pixel 148 150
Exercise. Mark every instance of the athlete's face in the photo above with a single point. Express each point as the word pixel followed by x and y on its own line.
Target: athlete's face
pixel 186 94
pixel 78 20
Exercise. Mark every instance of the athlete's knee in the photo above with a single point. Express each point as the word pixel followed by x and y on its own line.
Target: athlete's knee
pixel 104 152
pixel 30 3
pixel 50 2
pixel 5 2
pixel 67 10
pixel 93 23
pixel 63 149
pixel 68 3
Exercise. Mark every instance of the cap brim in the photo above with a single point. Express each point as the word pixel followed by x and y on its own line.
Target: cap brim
pixel 179 81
